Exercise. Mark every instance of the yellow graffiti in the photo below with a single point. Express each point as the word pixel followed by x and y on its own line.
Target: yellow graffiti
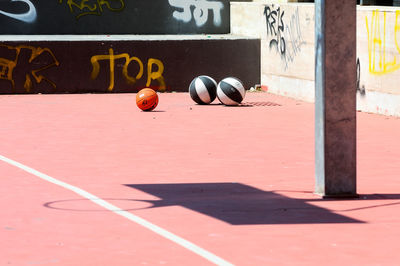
pixel 157 75
pixel 397 30
pixel 6 70
pixel 111 57
pixel 7 65
pixel 94 7
pixel 379 63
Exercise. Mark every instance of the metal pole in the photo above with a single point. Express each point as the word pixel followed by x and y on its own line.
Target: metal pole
pixel 335 103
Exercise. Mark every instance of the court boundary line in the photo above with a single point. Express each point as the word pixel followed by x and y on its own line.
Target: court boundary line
pixel 136 219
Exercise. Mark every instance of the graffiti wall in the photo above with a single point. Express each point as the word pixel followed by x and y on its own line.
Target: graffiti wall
pixel 123 65
pixel 379 49
pixel 114 16
pixel 287 37
pixel 288 43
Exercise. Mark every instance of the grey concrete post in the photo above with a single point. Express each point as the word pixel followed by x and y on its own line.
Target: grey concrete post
pixel 335 98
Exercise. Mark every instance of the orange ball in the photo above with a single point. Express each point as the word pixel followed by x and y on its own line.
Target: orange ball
pixel 147 99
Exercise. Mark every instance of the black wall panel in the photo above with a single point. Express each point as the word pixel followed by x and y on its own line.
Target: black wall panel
pixel 114 17
pixel 123 66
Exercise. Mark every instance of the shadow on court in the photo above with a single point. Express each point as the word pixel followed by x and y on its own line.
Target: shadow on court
pixel 235 203
pixel 239 204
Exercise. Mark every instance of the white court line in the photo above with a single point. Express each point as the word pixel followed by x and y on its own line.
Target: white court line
pixel 156 229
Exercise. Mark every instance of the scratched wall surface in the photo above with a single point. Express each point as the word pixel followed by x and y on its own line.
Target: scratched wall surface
pixel 114 16
pixel 123 66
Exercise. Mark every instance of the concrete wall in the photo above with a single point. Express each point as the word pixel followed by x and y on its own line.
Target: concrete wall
pixel 378 48
pixel 287 51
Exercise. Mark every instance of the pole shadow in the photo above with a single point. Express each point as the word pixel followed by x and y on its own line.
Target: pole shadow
pixel 239 204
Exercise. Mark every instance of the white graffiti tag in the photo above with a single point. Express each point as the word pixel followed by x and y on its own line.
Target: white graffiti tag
pixel 28 17
pixel 200 13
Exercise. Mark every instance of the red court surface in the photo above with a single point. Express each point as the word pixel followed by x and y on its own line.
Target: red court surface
pixel 236 182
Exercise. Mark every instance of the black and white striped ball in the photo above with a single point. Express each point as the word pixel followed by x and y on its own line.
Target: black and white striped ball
pixel 230 91
pixel 203 90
